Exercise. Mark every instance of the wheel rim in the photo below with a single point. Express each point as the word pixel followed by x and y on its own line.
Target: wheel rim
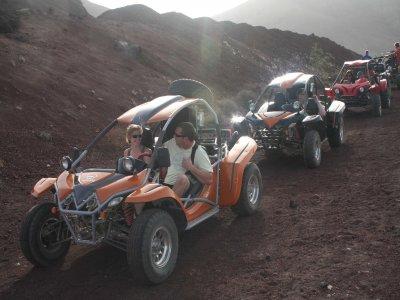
pixel 161 247
pixel 253 189
pixel 317 150
pixel 50 234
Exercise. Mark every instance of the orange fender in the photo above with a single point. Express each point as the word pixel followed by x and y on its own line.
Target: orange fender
pixel 232 169
pixel 42 186
pixel 152 192
pixel 65 184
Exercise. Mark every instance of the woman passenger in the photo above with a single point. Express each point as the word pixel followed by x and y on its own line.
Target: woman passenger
pixel 136 150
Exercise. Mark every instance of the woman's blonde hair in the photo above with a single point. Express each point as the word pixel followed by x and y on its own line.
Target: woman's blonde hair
pixel 131 129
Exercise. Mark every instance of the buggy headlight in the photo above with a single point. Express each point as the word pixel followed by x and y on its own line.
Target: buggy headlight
pixel 115 201
pixel 128 164
pixel 362 89
pixel 296 105
pixel 337 91
pixel 66 163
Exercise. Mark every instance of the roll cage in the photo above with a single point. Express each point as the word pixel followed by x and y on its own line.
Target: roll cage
pixel 285 85
pixel 358 65
pixel 160 112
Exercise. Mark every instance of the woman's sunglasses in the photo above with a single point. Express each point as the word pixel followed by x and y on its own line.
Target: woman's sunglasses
pixel 136 136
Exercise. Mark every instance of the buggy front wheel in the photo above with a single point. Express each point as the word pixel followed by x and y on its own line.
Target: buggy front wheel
pixel 44 237
pixel 152 248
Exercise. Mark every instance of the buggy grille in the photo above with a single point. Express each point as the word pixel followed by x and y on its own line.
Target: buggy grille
pixel 351 101
pixel 271 138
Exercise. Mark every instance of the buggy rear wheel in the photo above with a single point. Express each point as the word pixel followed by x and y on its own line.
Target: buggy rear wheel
pixel 152 248
pixel 44 237
pixel 376 105
pixel 336 135
pixel 250 195
pixel 312 149
pixel 190 88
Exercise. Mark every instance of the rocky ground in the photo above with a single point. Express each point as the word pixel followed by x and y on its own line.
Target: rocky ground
pixel 329 232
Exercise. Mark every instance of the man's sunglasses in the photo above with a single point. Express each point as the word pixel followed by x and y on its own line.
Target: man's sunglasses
pixel 136 136
pixel 179 135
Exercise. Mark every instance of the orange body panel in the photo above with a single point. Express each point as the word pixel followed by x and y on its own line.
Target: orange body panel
pixel 65 184
pixel 128 116
pixel 232 169
pixel 121 185
pixel 273 117
pixel 90 177
pixel 152 192
pixel 42 186
pixel 168 111
pixel 196 210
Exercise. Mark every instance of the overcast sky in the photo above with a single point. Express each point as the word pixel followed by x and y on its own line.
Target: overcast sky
pixel 191 8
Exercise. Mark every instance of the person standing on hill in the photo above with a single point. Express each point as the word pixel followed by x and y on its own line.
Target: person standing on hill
pixel 397 53
pixel 366 56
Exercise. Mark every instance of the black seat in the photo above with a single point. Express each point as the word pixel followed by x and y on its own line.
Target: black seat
pixel 279 101
pixel 312 107
pixel 147 138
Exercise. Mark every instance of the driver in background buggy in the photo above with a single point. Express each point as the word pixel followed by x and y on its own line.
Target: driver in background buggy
pixel 190 167
pixel 348 78
pixel 360 77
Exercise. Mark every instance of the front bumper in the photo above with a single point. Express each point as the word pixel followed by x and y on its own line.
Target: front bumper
pixel 356 101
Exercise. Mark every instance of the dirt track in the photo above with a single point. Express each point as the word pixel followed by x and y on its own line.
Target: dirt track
pixel 335 227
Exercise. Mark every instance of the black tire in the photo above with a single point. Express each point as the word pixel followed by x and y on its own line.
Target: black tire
pixel 38 249
pixel 140 260
pixel 190 88
pixel 312 149
pixel 251 193
pixel 336 135
pixel 386 97
pixel 376 105
pixel 397 80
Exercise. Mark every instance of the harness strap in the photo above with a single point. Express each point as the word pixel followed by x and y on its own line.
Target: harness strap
pixel 192 155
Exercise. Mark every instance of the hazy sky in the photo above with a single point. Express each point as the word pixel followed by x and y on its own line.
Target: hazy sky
pixel 191 8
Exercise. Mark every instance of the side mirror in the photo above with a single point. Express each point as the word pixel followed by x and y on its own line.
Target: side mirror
pixel 311 107
pixel 75 153
pixel 162 159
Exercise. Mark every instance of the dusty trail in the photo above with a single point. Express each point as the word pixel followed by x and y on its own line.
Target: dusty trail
pixel 341 231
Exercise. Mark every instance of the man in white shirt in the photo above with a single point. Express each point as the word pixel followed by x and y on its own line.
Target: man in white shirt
pixel 183 173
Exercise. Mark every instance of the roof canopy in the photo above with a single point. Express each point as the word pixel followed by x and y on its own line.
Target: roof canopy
pixel 158 109
pixel 289 80
pixel 356 63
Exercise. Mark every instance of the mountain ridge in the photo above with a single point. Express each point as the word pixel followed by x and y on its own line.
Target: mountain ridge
pixel 355 24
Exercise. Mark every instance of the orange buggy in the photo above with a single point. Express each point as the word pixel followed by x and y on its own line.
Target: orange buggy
pixel 128 206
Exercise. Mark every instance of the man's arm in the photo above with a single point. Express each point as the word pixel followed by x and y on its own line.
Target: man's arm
pixel 205 177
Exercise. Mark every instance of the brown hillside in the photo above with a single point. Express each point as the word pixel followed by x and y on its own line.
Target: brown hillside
pixel 64 77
